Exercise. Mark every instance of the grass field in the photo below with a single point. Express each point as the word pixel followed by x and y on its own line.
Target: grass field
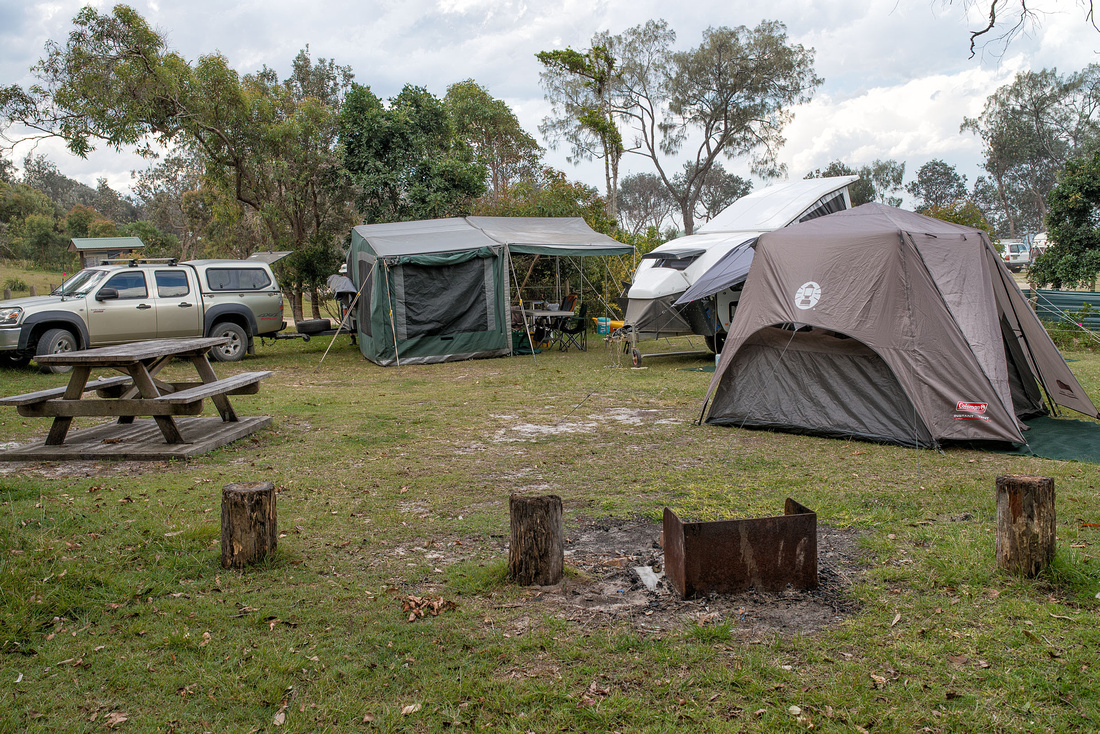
pixel 116 615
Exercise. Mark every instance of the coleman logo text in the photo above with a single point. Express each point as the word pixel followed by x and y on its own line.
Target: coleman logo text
pixel 971 407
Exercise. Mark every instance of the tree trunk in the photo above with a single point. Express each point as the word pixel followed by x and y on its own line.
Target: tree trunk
pixel 536 555
pixel 249 530
pixel 1026 530
pixel 296 304
pixel 688 213
pixel 315 303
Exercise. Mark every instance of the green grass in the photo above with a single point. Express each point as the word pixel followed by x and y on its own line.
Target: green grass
pixel 391 483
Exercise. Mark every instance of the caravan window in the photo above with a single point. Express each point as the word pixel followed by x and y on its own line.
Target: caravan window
pixel 674 259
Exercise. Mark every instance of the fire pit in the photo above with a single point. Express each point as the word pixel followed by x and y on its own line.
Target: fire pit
pixel 727 556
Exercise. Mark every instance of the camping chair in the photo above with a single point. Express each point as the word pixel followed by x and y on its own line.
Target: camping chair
pixel 554 326
pixel 575 331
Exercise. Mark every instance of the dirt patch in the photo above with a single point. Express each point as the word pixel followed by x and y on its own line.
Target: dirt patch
pixel 609 590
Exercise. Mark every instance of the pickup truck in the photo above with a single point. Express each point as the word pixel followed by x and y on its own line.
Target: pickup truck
pixel 141 300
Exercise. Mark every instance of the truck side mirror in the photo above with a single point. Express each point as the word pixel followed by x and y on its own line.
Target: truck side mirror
pixel 107 294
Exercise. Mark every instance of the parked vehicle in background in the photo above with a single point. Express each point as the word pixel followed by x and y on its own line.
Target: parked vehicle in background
pixel 1017 255
pixel 1039 244
pixel 139 300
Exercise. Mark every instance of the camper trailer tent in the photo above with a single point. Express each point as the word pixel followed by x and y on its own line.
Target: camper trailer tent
pixel 439 290
pixel 881 324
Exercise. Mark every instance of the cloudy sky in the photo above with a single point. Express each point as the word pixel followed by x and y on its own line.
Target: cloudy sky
pixel 898 74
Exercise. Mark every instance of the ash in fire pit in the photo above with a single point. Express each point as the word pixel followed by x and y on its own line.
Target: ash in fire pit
pixel 608 590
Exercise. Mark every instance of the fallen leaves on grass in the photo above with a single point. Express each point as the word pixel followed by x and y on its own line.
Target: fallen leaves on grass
pixel 418 606
pixel 115 718
pixel 412 708
pixel 593 695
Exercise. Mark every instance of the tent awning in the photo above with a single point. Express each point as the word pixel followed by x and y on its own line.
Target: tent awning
pixel 564 236
pixel 730 270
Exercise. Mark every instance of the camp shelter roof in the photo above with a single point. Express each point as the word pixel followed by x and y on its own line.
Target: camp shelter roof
pixel 549 235
pixel 538 235
pixel 424 237
pixel 777 205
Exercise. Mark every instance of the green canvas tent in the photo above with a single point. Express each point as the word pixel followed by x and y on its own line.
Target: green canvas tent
pixel 438 290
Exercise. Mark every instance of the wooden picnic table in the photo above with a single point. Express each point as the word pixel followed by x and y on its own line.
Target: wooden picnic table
pixel 138 392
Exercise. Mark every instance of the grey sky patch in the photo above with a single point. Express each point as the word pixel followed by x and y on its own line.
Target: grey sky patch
pixel 898 77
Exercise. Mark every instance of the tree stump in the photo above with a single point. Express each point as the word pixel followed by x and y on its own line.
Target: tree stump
pixel 536 555
pixel 1026 530
pixel 249 530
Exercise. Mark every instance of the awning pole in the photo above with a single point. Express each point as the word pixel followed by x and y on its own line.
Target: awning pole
pixel 351 310
pixel 522 310
pixel 386 278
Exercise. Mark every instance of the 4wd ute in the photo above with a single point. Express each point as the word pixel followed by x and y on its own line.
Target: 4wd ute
pixel 141 300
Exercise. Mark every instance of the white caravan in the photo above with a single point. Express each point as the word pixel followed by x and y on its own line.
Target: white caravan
pixel 713 263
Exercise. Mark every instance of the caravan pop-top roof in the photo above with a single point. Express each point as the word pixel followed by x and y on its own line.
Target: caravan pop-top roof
pixel 778 205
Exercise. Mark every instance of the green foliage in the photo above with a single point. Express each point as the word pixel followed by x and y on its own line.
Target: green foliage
pixel 877 181
pixel 644 203
pixel 405 158
pixel 1070 333
pixel 582 87
pixel 961 211
pixel 1073 258
pixel 157 243
pixel 937 185
pixel 1029 129
pixel 491 129
pixel 717 191
pixel 551 195
pixel 16 284
pixel 269 145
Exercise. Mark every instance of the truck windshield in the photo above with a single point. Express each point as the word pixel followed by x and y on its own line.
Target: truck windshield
pixel 81 283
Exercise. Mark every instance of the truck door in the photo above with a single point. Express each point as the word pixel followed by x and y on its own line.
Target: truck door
pixel 121 310
pixel 179 310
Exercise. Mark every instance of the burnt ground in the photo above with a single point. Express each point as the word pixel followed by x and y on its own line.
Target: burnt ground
pixel 607 590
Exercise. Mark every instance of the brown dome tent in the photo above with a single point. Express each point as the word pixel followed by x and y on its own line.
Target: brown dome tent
pixel 882 324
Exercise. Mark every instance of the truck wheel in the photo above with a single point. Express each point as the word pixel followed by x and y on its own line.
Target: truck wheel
pixel 238 342
pixel 55 341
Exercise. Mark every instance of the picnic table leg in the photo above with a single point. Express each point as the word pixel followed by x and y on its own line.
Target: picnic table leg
pixel 77 380
pixel 221 402
pixel 144 383
pixel 153 368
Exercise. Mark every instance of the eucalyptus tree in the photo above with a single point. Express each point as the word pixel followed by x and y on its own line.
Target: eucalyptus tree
pixel 405 157
pixel 270 145
pixel 1073 258
pixel 1029 128
pixel 491 129
pixel 937 185
pixel 730 96
pixel 582 88
pixel 644 203
pixel 878 181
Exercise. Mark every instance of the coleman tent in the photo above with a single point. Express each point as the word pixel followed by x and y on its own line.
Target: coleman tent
pixel 438 290
pixel 885 325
